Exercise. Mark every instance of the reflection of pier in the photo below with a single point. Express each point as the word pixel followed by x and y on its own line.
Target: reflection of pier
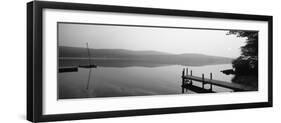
pixel 188 78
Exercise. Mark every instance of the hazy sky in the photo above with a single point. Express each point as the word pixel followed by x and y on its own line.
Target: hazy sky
pixel 171 40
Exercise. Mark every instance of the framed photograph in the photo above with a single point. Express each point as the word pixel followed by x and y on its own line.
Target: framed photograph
pixel 95 61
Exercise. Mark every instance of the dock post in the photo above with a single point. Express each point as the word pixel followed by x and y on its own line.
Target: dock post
pixel 211 85
pixel 203 81
pixel 186 74
pixel 183 73
pixel 182 86
pixel 191 75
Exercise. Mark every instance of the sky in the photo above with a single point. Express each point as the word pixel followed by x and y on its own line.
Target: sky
pixel 170 40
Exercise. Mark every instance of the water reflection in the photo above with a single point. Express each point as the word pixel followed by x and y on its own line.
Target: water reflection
pixel 119 81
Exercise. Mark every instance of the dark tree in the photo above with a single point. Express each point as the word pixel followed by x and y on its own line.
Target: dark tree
pixel 247 63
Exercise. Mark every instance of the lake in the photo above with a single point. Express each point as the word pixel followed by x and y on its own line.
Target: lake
pixel 133 81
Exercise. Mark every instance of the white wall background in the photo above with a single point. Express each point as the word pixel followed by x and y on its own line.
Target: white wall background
pixel 13 61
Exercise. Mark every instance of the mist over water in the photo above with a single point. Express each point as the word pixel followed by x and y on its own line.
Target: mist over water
pixel 133 80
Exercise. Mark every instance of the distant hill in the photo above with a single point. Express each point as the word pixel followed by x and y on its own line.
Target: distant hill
pixel 141 57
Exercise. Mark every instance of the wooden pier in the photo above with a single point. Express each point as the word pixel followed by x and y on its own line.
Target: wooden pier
pixel 188 78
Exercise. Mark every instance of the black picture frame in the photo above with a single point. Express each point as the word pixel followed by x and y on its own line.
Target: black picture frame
pixel 34 60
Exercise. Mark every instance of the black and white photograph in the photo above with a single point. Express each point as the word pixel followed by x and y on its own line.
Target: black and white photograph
pixel 97 60
pixel 89 60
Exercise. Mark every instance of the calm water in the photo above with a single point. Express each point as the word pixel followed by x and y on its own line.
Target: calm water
pixel 132 81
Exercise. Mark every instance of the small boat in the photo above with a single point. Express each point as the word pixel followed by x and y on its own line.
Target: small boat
pixel 88 66
pixel 228 71
pixel 68 69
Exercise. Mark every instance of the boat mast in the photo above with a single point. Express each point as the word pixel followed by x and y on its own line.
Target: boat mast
pixel 89 55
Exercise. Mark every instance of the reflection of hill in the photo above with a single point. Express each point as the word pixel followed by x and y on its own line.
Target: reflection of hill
pixel 123 58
